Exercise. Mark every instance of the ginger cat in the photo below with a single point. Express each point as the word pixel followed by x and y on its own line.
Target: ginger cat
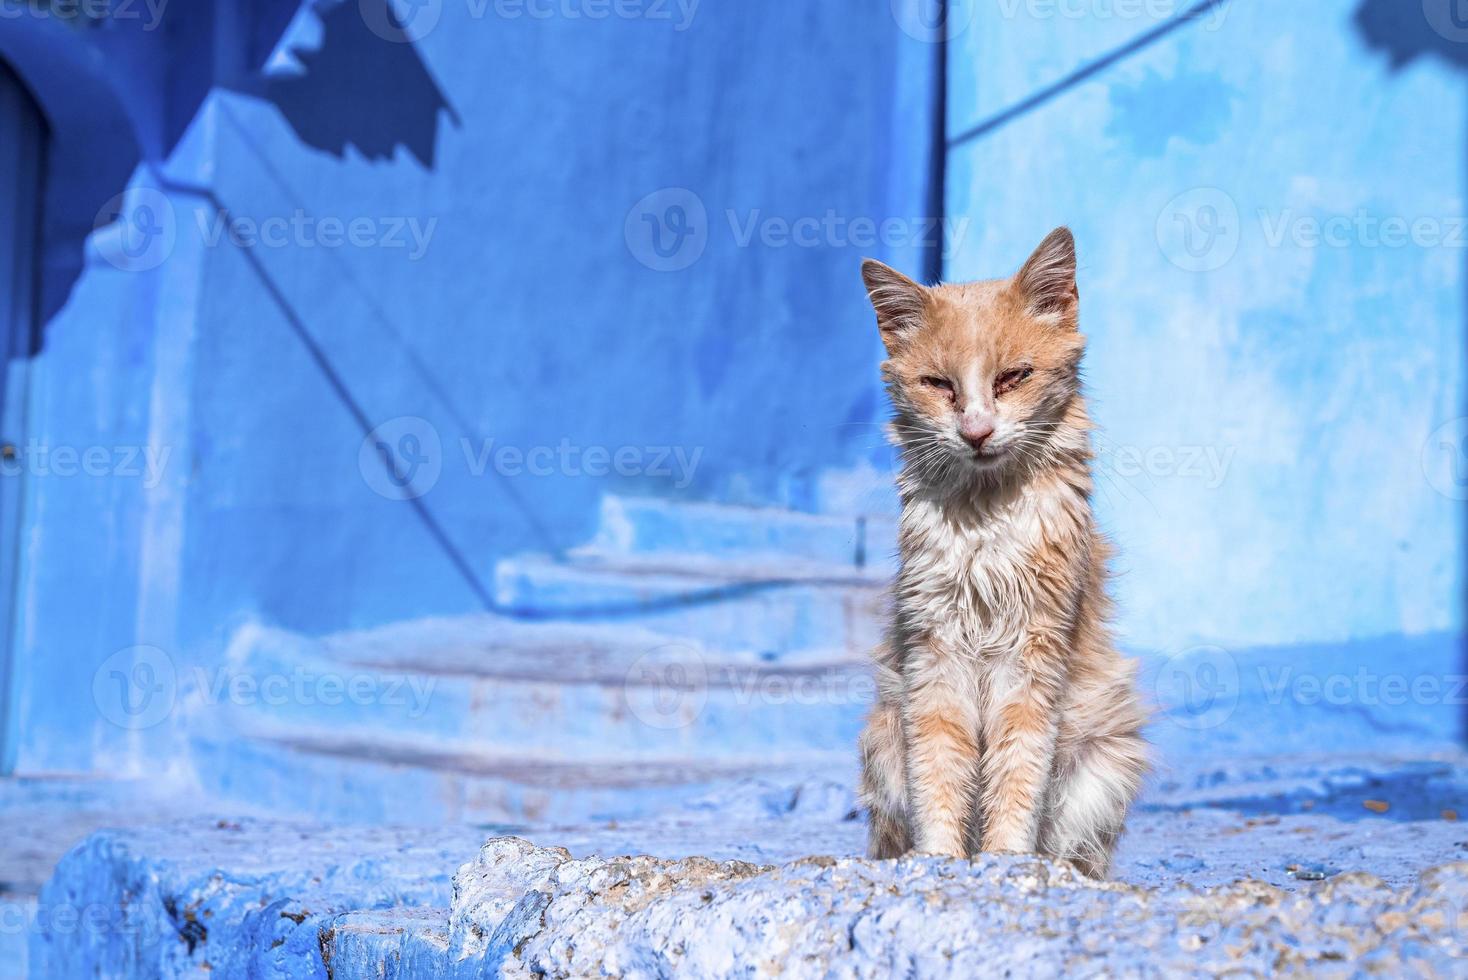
pixel 1005 719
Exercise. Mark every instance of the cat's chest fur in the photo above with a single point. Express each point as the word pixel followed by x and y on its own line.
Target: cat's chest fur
pixel 967 567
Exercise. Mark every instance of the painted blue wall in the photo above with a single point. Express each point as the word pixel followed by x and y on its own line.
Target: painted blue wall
pixel 1282 412
pixel 638 235
pixel 534 157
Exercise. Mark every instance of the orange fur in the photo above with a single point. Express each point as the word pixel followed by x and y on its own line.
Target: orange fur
pixel 1005 715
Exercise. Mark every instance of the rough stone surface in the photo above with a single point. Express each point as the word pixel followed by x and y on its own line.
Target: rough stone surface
pixel 253 898
pixel 1261 865
pixel 823 916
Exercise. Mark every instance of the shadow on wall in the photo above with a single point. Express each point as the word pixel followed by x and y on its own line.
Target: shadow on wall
pixel 365 86
pixel 1407 29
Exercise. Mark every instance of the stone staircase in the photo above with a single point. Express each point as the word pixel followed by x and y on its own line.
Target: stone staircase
pixel 686 645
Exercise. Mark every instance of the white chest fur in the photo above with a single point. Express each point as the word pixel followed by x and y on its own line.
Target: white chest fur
pixel 967 569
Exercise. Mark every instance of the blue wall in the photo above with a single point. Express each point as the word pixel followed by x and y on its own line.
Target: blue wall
pixel 637 235
pixel 530 309
pixel 1273 461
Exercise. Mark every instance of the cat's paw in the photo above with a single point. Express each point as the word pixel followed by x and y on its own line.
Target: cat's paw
pixel 1002 851
pixel 914 852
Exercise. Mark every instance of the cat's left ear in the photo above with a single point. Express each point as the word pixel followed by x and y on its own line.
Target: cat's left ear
pixel 901 304
pixel 1048 279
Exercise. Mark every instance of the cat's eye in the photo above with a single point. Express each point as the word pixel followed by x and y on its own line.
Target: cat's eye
pixel 942 384
pixel 1010 380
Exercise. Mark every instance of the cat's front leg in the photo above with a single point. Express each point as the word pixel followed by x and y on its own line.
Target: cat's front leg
pixel 940 721
pixel 1020 726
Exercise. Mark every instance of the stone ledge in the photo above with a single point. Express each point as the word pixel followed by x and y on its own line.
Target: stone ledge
pixel 271 899
pixel 930 917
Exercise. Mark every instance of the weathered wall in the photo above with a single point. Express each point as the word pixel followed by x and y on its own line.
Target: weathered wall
pixel 452 226
pixel 1269 206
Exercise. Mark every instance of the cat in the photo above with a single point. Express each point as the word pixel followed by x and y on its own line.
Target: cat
pixel 1005 719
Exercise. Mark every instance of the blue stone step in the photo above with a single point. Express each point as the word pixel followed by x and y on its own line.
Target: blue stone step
pixel 486 684
pixel 331 776
pixel 770 611
pixel 247 898
pixel 649 526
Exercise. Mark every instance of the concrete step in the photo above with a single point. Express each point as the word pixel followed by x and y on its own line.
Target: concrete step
pixel 239 897
pixel 750 535
pixel 268 898
pixel 389 781
pixel 721 568
pixel 557 691
pixel 759 612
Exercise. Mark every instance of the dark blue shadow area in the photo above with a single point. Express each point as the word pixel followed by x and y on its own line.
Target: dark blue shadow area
pixel 1408 30
pixel 1417 791
pixel 360 87
pixel 363 90
pixel 189 39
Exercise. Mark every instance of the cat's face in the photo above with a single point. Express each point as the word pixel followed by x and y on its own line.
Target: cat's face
pixel 981 374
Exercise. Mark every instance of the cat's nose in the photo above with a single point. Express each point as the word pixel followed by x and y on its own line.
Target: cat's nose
pixel 976 430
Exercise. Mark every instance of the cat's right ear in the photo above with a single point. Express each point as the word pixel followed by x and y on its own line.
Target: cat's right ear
pixel 900 303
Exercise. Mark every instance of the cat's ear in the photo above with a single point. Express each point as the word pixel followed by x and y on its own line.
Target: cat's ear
pixel 900 303
pixel 1048 279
